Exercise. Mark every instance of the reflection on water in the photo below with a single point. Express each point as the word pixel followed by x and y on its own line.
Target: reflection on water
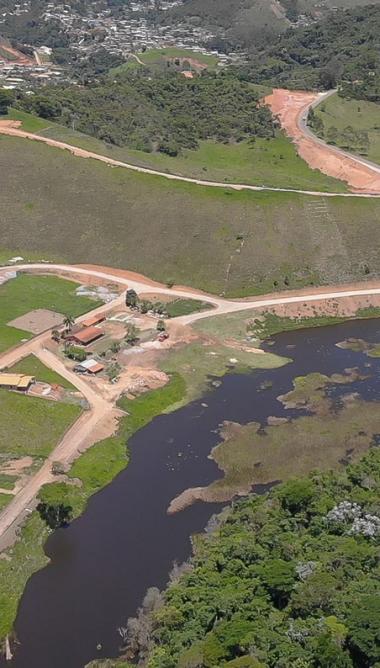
pixel 125 542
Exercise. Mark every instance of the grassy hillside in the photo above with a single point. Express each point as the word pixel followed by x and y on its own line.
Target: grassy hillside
pixel 361 116
pixel 266 162
pixel 340 49
pixel 218 240
pixel 250 22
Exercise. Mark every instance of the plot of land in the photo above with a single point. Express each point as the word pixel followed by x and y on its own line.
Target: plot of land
pixel 33 426
pixel 37 321
pixel 25 304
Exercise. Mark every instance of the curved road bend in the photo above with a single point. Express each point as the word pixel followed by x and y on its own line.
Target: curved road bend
pixel 305 129
pixel 101 407
pixel 6 129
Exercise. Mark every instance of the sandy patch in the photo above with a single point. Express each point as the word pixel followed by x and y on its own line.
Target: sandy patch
pixel 10 124
pixel 340 308
pixel 15 466
pixel 37 321
pixel 289 106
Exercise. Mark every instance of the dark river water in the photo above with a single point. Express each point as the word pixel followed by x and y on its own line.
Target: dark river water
pixel 125 542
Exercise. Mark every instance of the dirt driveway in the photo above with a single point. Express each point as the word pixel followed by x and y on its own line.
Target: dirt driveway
pixel 291 107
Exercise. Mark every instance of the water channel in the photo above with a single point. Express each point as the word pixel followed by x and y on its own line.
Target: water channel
pixel 125 542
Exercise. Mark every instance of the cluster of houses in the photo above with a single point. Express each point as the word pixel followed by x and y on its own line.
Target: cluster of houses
pixel 132 31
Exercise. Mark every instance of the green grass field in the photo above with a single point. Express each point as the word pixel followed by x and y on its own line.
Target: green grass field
pixel 360 115
pixel 180 307
pixel 159 57
pixel 26 293
pixel 31 366
pixel 239 243
pixel 33 426
pixel 272 162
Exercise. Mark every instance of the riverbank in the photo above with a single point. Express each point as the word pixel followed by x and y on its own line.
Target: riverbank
pixel 99 465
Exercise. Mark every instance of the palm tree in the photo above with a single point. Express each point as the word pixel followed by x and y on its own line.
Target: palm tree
pixel 68 321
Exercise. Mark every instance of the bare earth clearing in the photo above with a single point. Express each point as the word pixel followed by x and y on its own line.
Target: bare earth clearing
pixel 37 321
pixel 291 107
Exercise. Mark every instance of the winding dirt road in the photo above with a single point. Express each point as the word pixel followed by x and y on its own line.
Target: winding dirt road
pixel 103 407
pixel 292 107
pixel 11 128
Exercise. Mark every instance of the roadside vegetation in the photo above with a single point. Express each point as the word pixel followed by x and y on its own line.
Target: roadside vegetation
pixel 251 327
pixel 267 238
pixel 179 307
pixel 271 162
pixel 288 578
pixel 353 125
pixel 26 293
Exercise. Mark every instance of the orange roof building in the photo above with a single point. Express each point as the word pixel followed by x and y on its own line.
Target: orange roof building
pixel 93 320
pixel 86 335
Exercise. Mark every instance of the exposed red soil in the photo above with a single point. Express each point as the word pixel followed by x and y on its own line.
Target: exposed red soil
pixel 21 58
pixel 289 107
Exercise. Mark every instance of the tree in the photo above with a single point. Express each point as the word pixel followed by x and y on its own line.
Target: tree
pixel 58 468
pixel 330 655
pixel 132 334
pixel 161 327
pixel 332 135
pixel 131 298
pixel 6 99
pixel 364 629
pixel 297 494
pixel 278 577
pixel 55 335
pixel 68 322
pixel 55 516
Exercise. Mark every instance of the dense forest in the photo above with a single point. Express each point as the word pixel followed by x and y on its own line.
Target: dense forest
pixel 161 111
pixel 286 579
pixel 343 49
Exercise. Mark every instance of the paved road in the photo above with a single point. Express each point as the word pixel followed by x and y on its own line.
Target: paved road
pixel 305 129
pixel 102 407
pixel 7 129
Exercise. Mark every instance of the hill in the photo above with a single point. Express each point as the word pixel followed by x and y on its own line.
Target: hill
pixel 342 49
pixel 157 110
pixel 248 23
pixel 58 206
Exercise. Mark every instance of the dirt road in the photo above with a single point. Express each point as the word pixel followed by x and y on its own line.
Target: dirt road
pixel 292 109
pixel 102 407
pixel 221 305
pixel 11 128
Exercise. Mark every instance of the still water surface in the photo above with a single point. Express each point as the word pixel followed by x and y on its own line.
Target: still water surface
pixel 125 542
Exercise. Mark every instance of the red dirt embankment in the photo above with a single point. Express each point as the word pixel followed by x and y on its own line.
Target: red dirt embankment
pixel 289 106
